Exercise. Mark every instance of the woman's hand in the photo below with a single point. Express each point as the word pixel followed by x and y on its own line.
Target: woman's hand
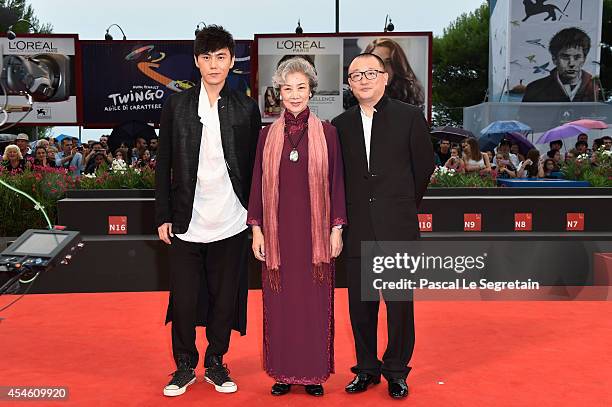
pixel 335 242
pixel 258 244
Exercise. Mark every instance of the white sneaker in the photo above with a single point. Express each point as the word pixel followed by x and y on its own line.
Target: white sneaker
pixel 218 375
pixel 181 379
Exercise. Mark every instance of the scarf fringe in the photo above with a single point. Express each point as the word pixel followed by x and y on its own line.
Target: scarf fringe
pixel 274 279
pixel 321 273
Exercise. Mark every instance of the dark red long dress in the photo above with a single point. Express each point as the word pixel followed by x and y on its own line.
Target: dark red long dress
pixel 299 319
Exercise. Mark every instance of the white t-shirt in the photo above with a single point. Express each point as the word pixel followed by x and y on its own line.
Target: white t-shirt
pixel 217 212
pixel 367 132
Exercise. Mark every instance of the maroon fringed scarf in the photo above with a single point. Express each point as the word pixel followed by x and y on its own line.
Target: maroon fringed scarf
pixel 318 181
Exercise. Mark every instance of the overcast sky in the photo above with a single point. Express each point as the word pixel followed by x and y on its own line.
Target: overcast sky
pixel 177 19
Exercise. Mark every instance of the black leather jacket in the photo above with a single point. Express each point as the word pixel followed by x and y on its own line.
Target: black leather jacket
pixel 179 148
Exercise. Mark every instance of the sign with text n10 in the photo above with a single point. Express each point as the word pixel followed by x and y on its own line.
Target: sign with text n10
pixel 425 222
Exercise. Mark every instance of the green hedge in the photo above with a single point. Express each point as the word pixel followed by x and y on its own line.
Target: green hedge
pixel 48 186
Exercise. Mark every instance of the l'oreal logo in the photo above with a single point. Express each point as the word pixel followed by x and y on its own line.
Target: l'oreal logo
pixel 27 45
pixel 298 45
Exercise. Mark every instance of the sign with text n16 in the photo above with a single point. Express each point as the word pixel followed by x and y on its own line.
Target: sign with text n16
pixel 130 80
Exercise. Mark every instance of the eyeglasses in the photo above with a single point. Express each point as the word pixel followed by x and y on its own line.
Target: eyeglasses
pixel 370 75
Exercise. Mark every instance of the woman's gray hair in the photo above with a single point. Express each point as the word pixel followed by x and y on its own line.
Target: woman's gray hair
pixel 293 65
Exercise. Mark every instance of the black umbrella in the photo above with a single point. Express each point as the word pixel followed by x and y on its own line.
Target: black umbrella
pixel 128 132
pixel 452 134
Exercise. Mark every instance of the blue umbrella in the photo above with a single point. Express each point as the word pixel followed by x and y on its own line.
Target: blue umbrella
pixel 61 137
pixel 505 126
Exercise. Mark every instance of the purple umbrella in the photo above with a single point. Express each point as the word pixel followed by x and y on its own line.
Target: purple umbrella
pixel 561 132
pixel 524 144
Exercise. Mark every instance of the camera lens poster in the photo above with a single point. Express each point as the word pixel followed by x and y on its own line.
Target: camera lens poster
pixel 43 66
pixel 546 50
pixel 406 56
pixel 130 80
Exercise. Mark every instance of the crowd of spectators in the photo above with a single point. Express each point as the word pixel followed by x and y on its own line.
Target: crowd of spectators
pixel 76 158
pixel 506 161
pixel 96 156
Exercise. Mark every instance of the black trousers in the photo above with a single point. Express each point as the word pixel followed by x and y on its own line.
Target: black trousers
pixel 220 264
pixel 364 321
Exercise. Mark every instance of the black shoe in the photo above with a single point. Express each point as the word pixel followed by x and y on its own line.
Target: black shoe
pixel 314 389
pixel 181 379
pixel 218 375
pixel 361 382
pixel 278 389
pixel 398 388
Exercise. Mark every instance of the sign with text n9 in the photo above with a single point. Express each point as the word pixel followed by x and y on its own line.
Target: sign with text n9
pixel 472 222
pixel 407 59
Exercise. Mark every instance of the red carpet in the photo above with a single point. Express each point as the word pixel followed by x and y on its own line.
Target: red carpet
pixel 112 349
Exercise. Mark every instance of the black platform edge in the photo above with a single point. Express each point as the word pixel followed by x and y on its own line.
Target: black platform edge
pixel 431 192
pixel 594 236
pixel 504 191
pixel 109 193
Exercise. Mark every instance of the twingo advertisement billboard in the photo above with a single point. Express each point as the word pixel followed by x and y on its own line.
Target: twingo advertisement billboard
pixel 130 80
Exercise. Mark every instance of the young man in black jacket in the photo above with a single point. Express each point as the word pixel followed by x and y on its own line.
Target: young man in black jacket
pixel 208 136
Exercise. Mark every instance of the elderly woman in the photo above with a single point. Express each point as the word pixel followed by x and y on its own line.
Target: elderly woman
pixel 296 210
pixel 13 161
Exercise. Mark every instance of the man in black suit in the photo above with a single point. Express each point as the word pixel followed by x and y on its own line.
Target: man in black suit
pixel 207 141
pixel 388 159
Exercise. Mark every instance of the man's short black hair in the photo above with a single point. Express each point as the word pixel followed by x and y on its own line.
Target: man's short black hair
pixel 551 153
pixel 569 38
pixel 506 142
pixel 96 143
pixel 560 142
pixel 582 143
pixel 369 54
pixel 213 38
pixel 604 138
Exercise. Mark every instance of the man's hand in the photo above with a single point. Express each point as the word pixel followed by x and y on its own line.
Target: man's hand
pixel 335 241
pixel 165 233
pixel 259 249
